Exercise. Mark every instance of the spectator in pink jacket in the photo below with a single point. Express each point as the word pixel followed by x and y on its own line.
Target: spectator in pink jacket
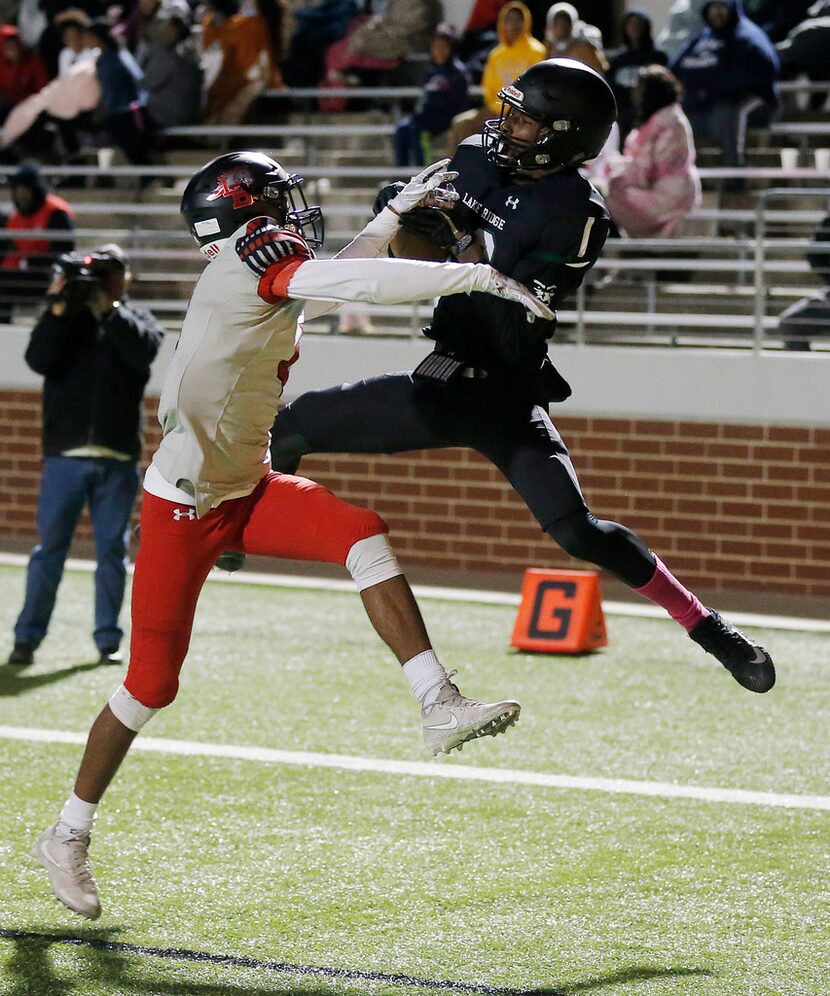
pixel 655 184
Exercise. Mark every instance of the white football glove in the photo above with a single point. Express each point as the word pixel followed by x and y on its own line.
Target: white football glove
pixel 490 281
pixel 427 182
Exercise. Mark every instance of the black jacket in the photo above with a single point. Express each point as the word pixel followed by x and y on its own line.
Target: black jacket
pixel 624 69
pixel 95 373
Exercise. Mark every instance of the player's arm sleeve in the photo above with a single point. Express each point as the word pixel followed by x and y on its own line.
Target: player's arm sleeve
pixel 566 249
pixel 379 281
pixel 374 240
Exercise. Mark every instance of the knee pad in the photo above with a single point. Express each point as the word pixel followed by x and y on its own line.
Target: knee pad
pixel 372 560
pixel 129 711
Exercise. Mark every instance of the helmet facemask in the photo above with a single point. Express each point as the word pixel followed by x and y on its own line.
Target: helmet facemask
pixel 288 198
pixel 551 149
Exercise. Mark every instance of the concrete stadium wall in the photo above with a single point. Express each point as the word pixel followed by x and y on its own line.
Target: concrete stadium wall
pixel 721 460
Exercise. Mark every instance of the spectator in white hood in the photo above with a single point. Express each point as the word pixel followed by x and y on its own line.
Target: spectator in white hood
pixel 568 37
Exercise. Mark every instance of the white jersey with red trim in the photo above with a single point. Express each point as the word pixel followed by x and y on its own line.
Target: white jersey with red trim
pixel 241 334
pixel 239 337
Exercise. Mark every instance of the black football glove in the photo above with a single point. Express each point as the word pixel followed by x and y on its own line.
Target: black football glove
pixel 437 228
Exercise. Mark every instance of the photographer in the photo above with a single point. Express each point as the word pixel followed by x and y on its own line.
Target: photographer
pixel 94 349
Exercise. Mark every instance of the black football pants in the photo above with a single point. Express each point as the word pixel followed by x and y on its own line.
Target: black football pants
pixel 393 413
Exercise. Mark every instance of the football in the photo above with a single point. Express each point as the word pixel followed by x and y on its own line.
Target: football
pixel 407 245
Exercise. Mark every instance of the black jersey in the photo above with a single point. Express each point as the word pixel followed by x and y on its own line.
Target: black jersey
pixel 545 233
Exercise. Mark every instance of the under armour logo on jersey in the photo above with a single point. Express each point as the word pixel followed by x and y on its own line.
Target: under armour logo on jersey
pixel 512 202
pixel 184 513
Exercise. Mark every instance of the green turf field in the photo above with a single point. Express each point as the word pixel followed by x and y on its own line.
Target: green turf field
pixel 304 879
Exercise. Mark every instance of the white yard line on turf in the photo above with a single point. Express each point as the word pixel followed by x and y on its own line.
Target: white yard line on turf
pixel 642 611
pixel 421 769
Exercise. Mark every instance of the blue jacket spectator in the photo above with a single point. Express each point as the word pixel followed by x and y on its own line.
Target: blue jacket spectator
pixel 729 71
pixel 121 81
pixel 444 96
pixel 123 97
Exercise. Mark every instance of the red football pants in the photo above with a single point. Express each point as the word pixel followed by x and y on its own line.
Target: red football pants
pixel 284 516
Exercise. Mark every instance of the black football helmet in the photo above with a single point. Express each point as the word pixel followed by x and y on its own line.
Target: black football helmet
pixel 575 109
pixel 241 185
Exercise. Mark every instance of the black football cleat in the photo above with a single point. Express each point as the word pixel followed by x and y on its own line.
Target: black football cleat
pixel 748 663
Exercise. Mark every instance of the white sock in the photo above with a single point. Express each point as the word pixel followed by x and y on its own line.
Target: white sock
pixel 426 677
pixel 76 817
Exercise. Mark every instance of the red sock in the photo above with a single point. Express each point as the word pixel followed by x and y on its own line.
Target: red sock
pixel 679 602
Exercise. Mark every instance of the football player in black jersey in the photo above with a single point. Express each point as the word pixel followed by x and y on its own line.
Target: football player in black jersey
pixel 488 381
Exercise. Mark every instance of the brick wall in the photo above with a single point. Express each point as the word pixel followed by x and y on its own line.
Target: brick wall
pixel 729 506
pixel 20 461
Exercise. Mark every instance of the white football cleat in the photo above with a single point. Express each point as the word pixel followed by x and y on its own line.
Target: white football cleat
pixel 67 865
pixel 454 719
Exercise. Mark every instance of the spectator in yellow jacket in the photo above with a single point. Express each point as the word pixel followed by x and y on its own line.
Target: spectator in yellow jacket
pixel 517 50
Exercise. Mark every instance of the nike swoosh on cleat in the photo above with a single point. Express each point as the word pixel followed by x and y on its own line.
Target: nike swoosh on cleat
pixel 760 656
pixel 451 724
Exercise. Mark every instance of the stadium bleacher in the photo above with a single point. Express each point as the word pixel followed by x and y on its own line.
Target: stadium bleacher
pixel 741 263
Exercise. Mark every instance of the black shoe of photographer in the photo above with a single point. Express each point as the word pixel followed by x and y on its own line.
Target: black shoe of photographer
pixel 23 654
pixel 110 655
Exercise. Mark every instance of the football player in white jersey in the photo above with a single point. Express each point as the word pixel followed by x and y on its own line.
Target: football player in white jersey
pixel 210 488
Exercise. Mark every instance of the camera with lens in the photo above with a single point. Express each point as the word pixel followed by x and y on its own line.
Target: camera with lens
pixel 83 273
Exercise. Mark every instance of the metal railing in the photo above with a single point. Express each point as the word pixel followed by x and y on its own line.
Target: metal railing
pixel 378 172
pixel 728 288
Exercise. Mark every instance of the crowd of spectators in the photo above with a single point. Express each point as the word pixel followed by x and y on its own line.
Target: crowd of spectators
pixel 127 72
pixel 729 71
pixel 84 72
pixel 132 69
pixel 516 51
